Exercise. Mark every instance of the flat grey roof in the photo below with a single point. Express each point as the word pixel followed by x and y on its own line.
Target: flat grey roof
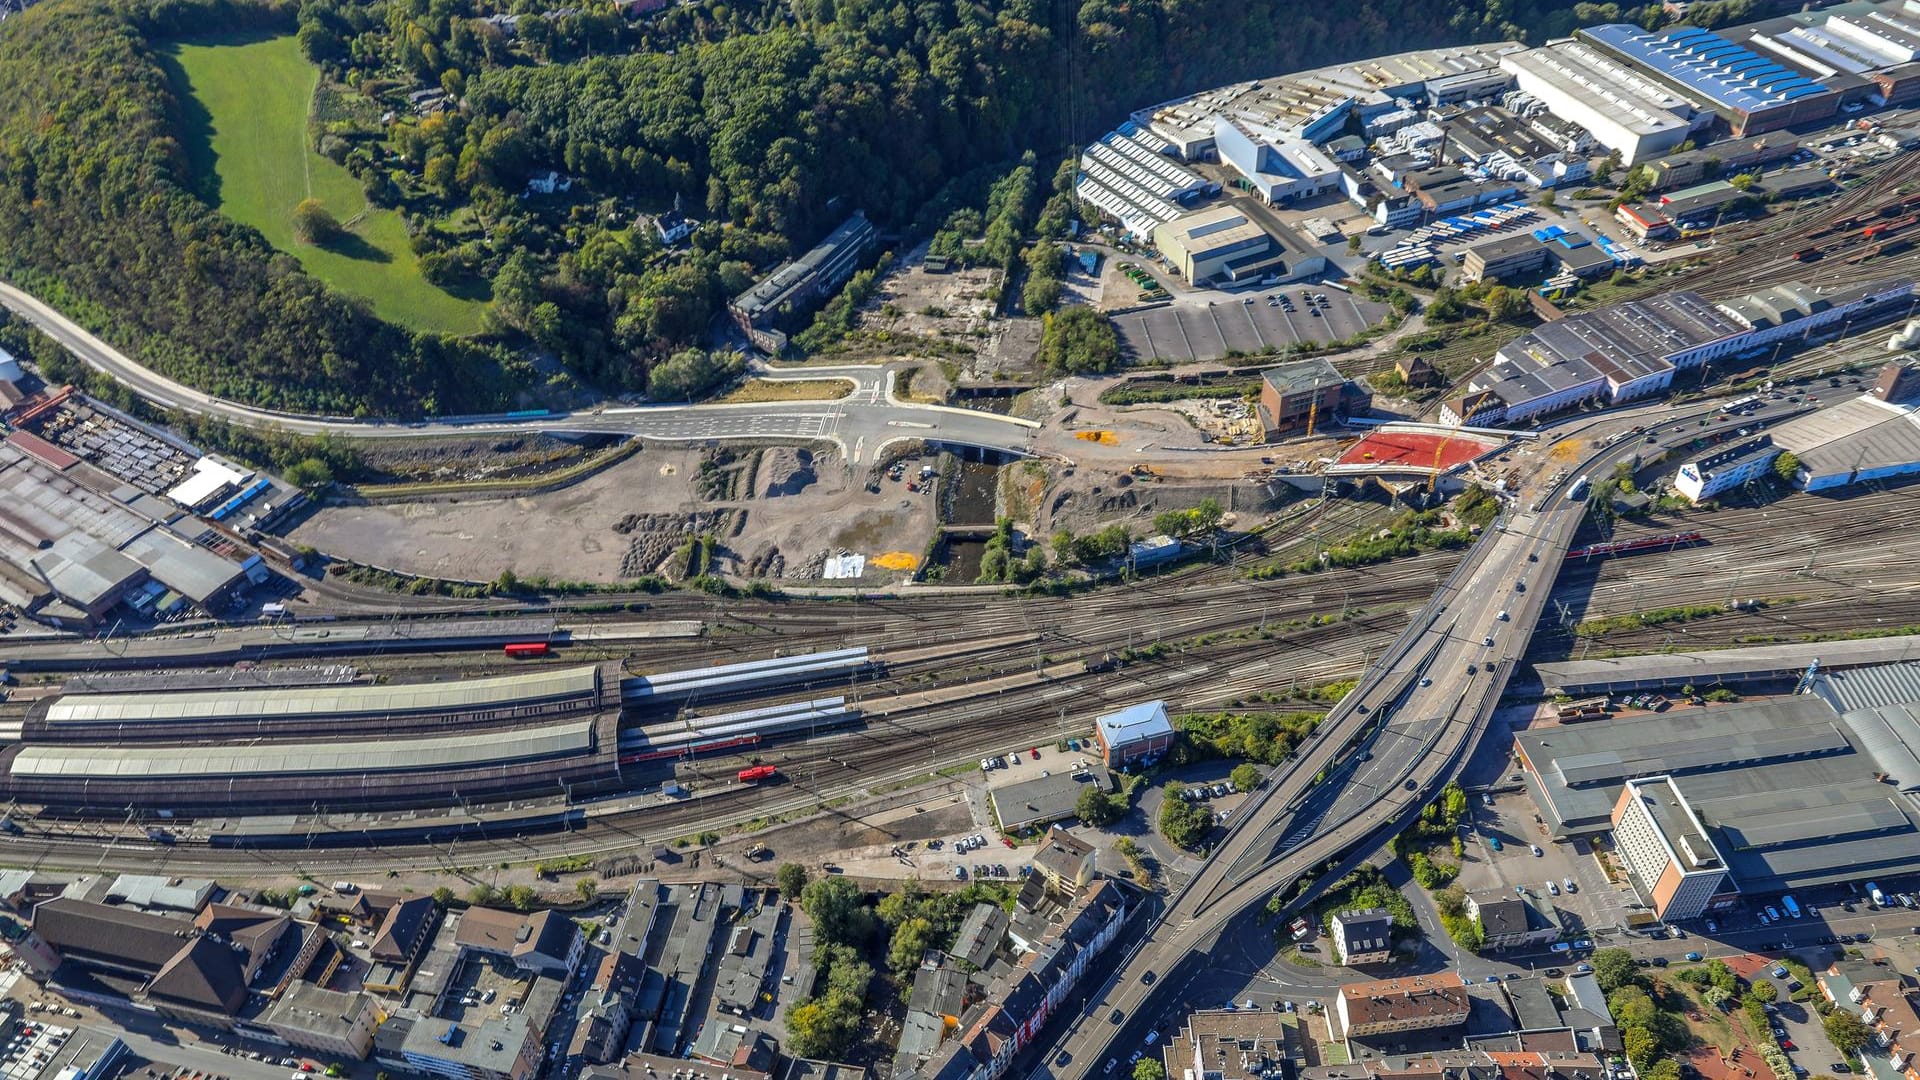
pixel 1723 665
pixel 185 762
pixel 1865 433
pixel 1046 798
pixel 1303 376
pixel 1792 800
pixel 323 700
pixel 1582 767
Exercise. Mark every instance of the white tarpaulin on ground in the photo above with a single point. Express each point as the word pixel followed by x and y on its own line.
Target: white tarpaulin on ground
pixel 844 567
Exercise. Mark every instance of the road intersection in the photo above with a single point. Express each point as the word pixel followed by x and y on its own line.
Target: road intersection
pixel 861 423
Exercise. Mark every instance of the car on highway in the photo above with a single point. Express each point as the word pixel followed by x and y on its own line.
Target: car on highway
pixel 1536 852
pixel 1146 978
pixel 1424 681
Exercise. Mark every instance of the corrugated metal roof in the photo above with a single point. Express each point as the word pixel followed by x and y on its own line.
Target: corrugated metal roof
pixel 183 762
pixel 322 700
pixel 1890 735
pixel 1870 687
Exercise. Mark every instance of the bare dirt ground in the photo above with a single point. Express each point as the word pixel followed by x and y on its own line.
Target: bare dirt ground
pixel 774 512
pixel 954 311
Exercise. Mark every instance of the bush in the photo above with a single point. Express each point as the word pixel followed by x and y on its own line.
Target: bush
pixel 792 878
pixel 1245 777
pixel 691 372
pixel 314 223
pixel 1183 823
pixel 1081 341
pixel 1097 808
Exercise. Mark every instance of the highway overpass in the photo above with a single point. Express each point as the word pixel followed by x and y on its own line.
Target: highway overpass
pixel 1378 758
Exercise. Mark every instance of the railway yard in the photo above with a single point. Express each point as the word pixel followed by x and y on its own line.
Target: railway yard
pixel 930 691
pixel 1456 631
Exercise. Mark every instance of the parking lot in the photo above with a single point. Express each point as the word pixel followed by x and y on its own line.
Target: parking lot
pixel 1593 903
pixel 1203 330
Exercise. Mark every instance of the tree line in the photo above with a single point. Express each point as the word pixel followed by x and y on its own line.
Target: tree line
pixel 98 216
pixel 772 122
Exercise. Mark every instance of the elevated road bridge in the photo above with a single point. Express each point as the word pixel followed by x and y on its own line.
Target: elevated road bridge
pixel 1380 756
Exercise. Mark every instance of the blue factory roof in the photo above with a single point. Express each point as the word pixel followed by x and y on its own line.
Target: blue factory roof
pixel 1724 73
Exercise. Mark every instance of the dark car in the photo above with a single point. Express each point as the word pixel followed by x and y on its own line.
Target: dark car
pixel 1147 979
pixel 1659 961
pixel 1116 1017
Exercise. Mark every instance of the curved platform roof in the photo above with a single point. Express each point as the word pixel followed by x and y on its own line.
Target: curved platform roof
pixel 162 763
pixel 322 701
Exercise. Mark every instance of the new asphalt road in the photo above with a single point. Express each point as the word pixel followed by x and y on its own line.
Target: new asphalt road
pixel 861 423
pixel 1378 757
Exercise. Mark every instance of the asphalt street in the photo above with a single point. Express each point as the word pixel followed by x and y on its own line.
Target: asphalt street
pixel 1429 697
pixel 861 423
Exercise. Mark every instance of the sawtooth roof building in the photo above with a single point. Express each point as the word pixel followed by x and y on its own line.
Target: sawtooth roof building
pixel 1861 47
pixel 1752 93
pixel 1632 350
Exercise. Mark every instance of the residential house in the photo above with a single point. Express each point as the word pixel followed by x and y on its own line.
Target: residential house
pixel 1364 936
pixel 1416 1003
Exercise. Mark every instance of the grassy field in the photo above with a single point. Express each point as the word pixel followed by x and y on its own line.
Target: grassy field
pixel 245 102
pixel 758 391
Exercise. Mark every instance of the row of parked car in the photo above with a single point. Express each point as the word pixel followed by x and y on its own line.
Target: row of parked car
pixel 1209 791
pixel 1004 761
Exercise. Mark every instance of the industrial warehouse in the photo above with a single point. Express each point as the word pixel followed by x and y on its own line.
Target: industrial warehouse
pixel 75 543
pixel 1710 803
pixel 1632 350
pixel 1870 437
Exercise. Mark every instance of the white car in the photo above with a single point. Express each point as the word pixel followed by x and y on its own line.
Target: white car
pixel 1536 849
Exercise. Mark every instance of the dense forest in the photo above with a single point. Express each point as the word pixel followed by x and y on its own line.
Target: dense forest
pixel 95 215
pixel 768 122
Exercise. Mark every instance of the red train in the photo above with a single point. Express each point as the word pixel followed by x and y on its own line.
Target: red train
pixel 1634 547
pixel 756 773
pixel 523 649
